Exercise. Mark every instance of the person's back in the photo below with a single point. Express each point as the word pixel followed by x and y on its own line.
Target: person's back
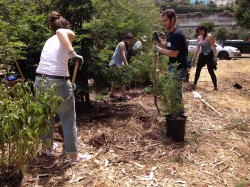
pixel 54 58
pixel 117 58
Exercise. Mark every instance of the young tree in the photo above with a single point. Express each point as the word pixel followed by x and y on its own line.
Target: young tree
pixel 242 13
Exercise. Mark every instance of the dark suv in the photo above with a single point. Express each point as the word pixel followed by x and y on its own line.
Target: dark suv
pixel 243 46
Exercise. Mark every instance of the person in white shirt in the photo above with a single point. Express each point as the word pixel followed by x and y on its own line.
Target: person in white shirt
pixel 139 44
pixel 53 68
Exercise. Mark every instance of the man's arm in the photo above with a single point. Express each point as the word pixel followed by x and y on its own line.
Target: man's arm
pixel 170 53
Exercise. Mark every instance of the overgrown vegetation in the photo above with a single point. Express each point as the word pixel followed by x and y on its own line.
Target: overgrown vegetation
pixel 24 115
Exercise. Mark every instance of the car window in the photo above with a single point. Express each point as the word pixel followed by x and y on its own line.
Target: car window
pixel 193 42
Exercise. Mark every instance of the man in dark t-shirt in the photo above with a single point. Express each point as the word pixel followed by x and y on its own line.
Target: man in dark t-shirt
pixel 175 46
pixel 176 41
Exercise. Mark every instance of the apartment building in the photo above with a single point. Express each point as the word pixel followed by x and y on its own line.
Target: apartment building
pixel 217 2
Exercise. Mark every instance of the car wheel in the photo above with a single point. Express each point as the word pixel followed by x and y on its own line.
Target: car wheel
pixel 223 55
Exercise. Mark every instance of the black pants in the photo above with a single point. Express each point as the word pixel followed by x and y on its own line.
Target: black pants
pixel 202 61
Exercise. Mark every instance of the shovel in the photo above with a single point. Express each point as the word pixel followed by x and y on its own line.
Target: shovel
pixel 197 95
pixel 157 111
pixel 74 74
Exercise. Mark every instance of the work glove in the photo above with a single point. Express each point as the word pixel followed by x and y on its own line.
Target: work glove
pixel 155 36
pixel 73 54
pixel 156 48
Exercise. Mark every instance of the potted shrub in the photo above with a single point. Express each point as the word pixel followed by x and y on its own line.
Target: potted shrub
pixel 24 112
pixel 166 87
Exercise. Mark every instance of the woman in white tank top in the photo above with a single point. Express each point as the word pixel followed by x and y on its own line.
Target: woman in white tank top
pixel 53 68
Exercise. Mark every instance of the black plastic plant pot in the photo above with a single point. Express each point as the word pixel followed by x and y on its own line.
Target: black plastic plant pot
pixel 176 127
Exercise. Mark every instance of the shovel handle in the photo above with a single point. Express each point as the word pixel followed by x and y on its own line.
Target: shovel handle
pixel 75 72
pixel 154 53
pixel 211 107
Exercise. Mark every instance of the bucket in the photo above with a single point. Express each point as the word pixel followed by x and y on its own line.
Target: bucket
pixel 176 128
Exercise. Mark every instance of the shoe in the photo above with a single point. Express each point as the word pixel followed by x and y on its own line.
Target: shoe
pixel 81 157
pixel 127 97
pixel 114 95
pixel 216 89
pixel 50 153
pixel 194 87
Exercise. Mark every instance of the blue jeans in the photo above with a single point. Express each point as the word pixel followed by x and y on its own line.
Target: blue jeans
pixel 180 75
pixel 67 113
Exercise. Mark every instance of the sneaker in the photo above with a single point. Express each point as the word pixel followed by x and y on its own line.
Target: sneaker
pixel 194 87
pixel 51 152
pixel 114 95
pixel 127 97
pixel 81 157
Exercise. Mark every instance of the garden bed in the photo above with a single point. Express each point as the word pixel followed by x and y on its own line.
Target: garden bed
pixel 131 151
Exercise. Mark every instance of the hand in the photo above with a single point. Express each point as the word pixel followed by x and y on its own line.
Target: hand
pixel 156 48
pixel 73 54
pixel 155 36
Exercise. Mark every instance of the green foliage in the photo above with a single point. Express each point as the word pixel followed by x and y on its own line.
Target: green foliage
pixel 242 13
pixel 242 184
pixel 183 7
pixel 121 75
pixel 10 48
pixel 166 87
pixel 238 124
pixel 142 67
pixel 221 34
pixel 209 25
pixel 24 113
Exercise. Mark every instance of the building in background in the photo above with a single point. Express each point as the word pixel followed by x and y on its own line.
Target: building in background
pixel 217 2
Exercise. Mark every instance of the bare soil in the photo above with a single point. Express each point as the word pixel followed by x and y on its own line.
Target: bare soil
pixel 129 150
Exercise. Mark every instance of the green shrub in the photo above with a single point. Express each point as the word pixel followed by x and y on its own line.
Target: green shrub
pixel 24 115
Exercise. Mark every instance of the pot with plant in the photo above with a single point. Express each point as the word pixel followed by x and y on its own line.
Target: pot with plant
pixel 24 112
pixel 167 88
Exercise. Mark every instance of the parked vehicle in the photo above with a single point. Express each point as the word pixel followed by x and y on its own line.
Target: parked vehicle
pixel 225 52
pixel 243 46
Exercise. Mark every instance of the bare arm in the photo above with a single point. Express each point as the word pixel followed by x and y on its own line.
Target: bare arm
pixel 165 51
pixel 197 50
pixel 211 40
pixel 122 47
pixel 66 37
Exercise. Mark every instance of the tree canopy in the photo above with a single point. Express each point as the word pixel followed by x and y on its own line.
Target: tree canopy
pixel 242 13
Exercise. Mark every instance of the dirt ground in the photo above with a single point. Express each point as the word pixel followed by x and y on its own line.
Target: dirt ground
pixel 128 150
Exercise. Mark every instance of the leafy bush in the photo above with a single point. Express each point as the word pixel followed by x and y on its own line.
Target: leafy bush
pixel 24 113
pixel 166 87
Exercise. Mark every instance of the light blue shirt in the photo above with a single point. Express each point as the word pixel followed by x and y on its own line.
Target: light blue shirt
pixel 117 59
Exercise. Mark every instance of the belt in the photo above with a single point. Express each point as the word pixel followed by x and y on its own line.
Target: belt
pixel 52 76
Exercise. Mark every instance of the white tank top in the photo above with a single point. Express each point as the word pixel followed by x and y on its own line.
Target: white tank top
pixel 54 58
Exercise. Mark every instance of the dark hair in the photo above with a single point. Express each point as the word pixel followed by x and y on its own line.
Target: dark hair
pixel 202 28
pixel 170 13
pixel 57 21
pixel 129 36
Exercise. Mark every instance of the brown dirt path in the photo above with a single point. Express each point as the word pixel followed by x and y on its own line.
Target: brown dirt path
pixel 130 152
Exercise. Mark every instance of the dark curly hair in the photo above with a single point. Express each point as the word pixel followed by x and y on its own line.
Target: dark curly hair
pixel 202 28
